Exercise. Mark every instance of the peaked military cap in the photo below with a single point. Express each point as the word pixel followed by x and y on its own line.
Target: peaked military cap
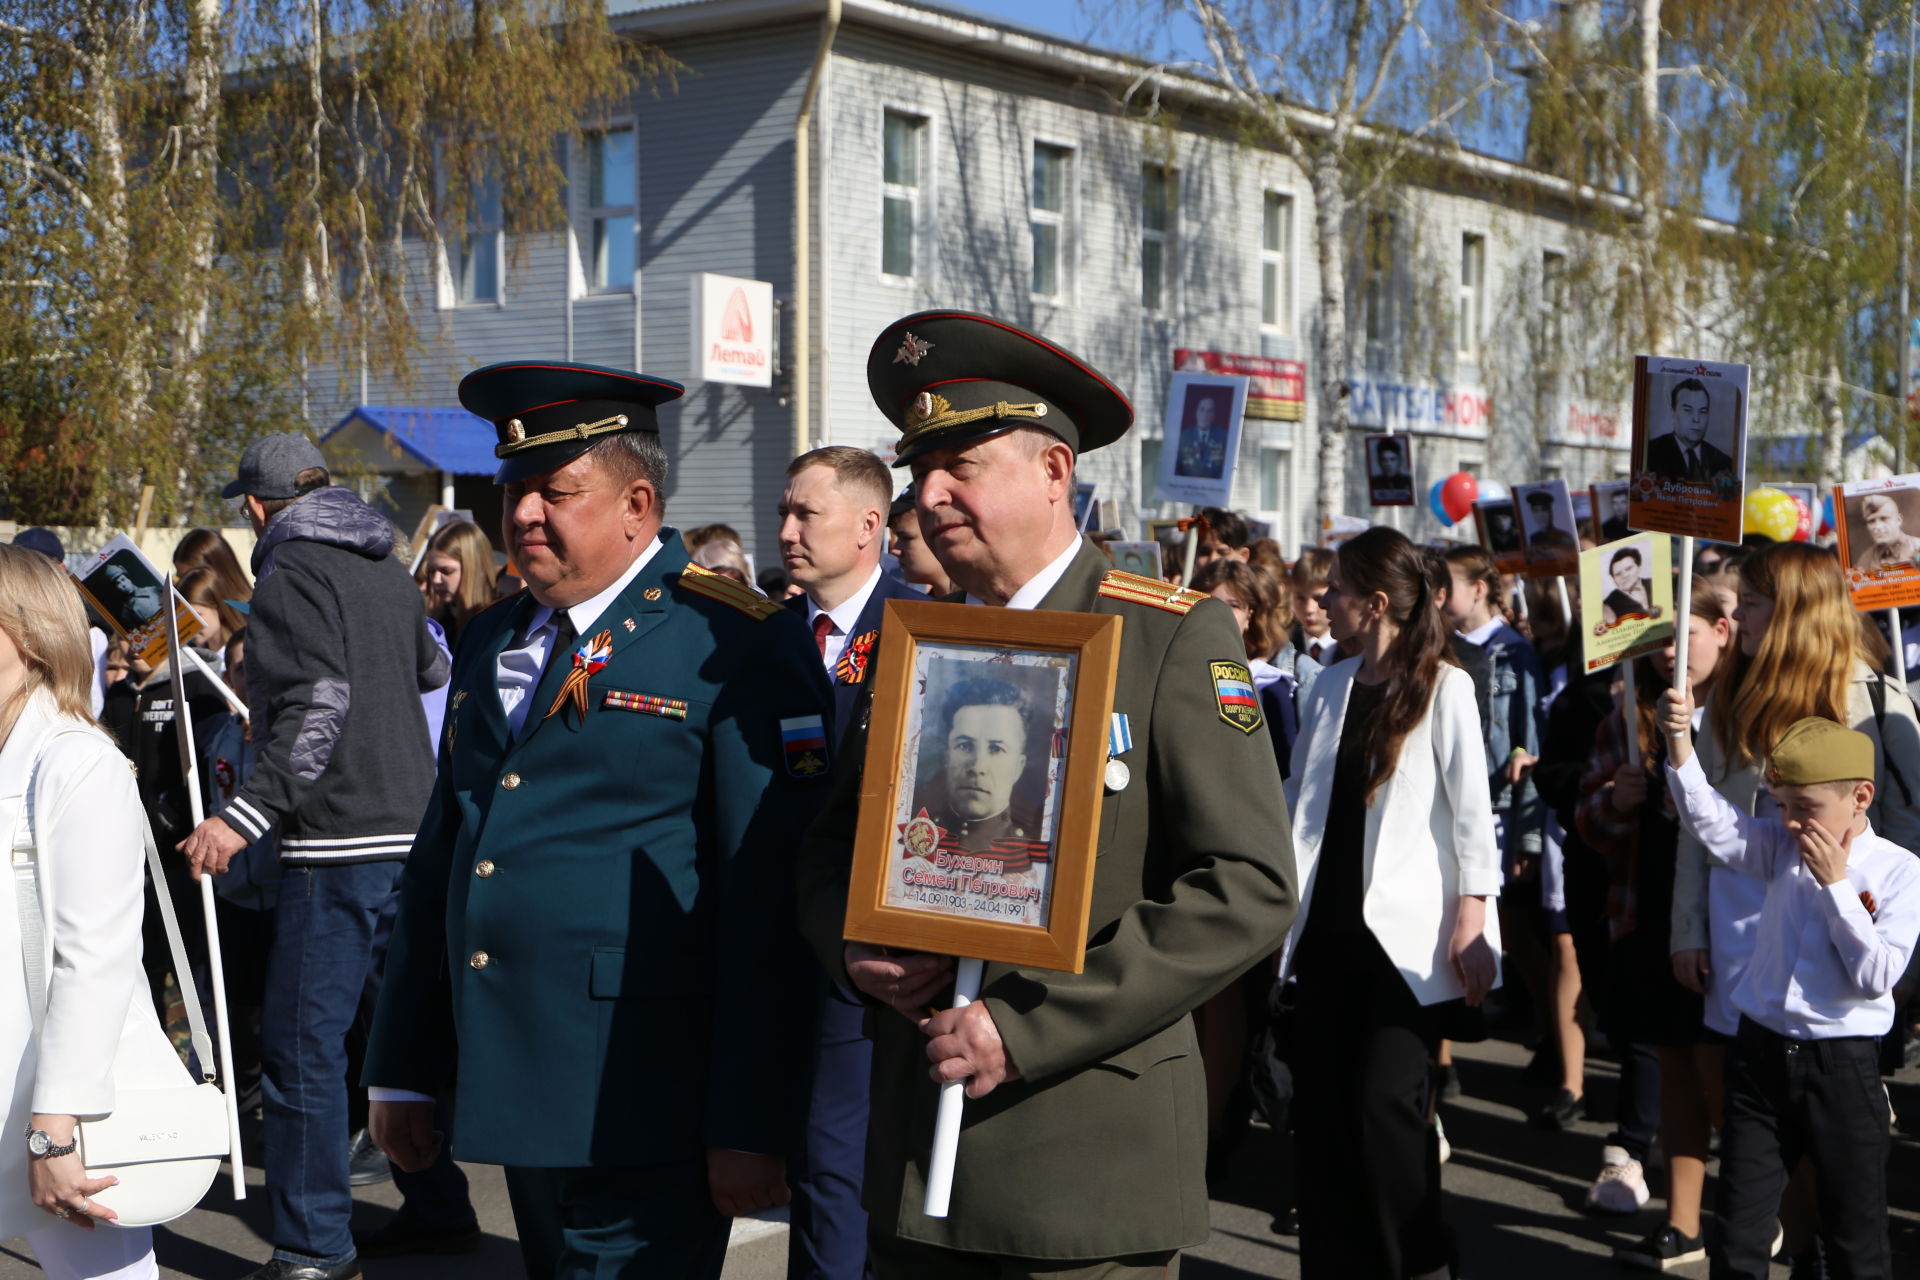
pixel 547 413
pixel 949 377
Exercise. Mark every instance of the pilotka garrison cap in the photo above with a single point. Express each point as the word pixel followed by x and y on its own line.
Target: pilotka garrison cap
pixel 271 467
pixel 547 413
pixel 1817 749
pixel 946 378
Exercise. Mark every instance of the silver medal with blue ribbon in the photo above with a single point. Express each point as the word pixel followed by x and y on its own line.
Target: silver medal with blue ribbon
pixel 1119 742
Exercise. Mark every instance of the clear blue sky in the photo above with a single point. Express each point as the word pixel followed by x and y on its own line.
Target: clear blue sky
pixel 1120 25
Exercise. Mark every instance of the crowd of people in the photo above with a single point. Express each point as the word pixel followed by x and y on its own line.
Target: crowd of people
pixel 539 854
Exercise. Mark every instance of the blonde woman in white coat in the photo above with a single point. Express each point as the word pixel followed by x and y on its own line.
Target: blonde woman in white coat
pixel 1393 830
pixel 85 828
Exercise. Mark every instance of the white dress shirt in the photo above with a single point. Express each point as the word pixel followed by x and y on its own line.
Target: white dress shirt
pixel 1822 966
pixel 844 615
pixel 1483 633
pixel 1324 650
pixel 1035 590
pixel 518 670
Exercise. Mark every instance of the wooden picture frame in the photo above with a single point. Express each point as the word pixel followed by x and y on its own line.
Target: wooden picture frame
pixel 1002 871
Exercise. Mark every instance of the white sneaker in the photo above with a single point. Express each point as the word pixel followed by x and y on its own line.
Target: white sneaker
pixel 1446 1148
pixel 1621 1186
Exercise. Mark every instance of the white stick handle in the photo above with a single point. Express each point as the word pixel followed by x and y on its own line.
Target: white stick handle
pixel 1899 646
pixel 216 968
pixel 953 1096
pixel 233 699
pixel 1193 545
pixel 1682 611
pixel 1630 710
pixel 1566 603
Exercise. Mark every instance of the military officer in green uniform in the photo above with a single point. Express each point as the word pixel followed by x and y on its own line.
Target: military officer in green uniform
pixel 1083 1147
pixel 595 948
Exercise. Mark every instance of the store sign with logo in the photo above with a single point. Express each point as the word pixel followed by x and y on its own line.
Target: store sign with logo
pixel 1276 389
pixel 1460 412
pixel 732 329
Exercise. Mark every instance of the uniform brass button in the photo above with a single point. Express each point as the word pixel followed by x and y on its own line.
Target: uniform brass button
pixel 483 868
pixel 511 781
pixel 479 959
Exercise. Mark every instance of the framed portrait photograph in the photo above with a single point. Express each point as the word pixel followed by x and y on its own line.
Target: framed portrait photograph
pixel 1550 539
pixel 1689 455
pixel 1878 523
pixel 1610 510
pixel 128 593
pixel 1390 470
pixel 1201 438
pixel 1583 513
pixel 1499 530
pixel 980 812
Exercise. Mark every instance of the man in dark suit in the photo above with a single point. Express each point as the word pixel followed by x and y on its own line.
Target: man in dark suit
pixel 1082 1143
pixel 832 529
pixel 1613 523
pixel 595 946
pixel 1685 454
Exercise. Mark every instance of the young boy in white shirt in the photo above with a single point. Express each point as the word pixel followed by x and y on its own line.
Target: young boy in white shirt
pixel 1840 919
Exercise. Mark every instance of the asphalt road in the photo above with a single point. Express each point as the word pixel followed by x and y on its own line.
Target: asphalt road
pixel 1513 1195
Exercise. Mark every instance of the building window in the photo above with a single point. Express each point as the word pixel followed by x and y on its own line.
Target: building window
pixel 1473 291
pixel 903 137
pixel 476 268
pixel 1052 183
pixel 1276 262
pixel 1159 187
pixel 612 180
pixel 1553 297
pixel 1273 478
pixel 1376 275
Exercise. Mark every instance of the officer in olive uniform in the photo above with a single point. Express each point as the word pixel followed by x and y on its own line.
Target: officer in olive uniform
pixel 595 946
pixel 1084 1137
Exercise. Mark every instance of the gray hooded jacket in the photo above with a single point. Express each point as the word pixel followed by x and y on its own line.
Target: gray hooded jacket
pixel 338 653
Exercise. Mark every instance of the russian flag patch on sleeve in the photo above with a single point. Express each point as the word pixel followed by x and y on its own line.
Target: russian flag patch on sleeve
pixel 803 743
pixel 1233 690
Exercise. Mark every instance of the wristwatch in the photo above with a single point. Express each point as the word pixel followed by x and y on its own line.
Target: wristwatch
pixel 40 1145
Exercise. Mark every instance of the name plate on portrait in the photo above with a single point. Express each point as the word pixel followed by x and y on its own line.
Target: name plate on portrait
pixel 980 803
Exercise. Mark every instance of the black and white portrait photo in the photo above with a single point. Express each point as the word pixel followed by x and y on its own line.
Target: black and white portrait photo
pixel 1629 584
pixel 1389 471
pixel 1883 529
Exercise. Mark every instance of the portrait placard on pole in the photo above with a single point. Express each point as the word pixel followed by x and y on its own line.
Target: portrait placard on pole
pixel 984 768
pixel 1201 438
pixel 1610 510
pixel 1689 447
pixel 1389 470
pixel 1878 523
pixel 1626 599
pixel 1550 540
pixel 1499 531
pixel 127 592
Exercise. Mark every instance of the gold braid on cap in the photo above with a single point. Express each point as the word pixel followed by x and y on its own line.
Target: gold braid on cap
pixel 580 431
pixel 930 412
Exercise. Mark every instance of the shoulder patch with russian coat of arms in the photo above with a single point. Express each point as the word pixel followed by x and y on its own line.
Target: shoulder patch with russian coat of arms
pixel 1233 690
pixel 1120 585
pixel 718 586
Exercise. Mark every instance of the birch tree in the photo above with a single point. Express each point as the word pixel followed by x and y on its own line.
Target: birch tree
pixel 202 200
pixel 1355 93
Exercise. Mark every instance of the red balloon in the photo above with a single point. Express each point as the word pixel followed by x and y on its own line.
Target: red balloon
pixel 1803 530
pixel 1457 493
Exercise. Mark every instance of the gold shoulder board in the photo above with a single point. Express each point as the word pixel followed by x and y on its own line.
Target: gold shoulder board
pixel 1148 591
pixel 718 586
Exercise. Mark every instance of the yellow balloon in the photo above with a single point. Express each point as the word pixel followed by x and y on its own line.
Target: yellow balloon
pixel 1771 512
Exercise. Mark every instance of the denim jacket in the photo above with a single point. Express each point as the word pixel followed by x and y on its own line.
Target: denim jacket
pixel 1514 721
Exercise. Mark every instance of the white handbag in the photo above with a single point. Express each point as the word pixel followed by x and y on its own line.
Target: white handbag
pixel 165 1145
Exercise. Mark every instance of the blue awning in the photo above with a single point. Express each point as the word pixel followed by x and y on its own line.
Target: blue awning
pixel 450 440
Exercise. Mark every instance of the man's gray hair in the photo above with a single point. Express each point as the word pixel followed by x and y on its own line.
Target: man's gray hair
pixel 634 455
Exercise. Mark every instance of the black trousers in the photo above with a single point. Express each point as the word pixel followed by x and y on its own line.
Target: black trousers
pixel 1367 1159
pixel 1786 1099
pixel 635 1222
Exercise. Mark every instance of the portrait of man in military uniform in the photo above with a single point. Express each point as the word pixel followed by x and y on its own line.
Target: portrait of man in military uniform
pixel 1879 529
pixel 1203 438
pixel 983 729
pixel 128 591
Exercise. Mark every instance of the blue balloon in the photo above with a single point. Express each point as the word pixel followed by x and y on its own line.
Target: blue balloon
pixel 1826 514
pixel 1439 507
